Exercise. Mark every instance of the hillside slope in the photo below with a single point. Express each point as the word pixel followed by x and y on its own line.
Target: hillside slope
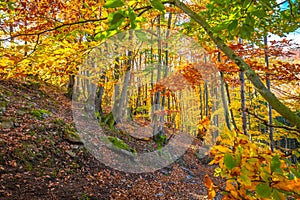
pixel 38 161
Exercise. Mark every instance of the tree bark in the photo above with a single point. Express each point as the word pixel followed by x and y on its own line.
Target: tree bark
pixel 206 99
pixel 230 110
pixel 166 69
pixel 225 105
pixel 243 99
pixel 123 99
pixel 243 103
pixel 157 129
pixel 272 143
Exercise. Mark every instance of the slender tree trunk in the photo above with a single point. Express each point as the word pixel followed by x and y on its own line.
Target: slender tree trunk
pixel 201 101
pixel 120 108
pixel 165 72
pixel 250 100
pixel 225 105
pixel 99 95
pixel 206 92
pixel 230 110
pixel 243 100
pixel 116 86
pixel 157 128
pixel 268 82
pixel 243 103
pixel 206 99
pixel 119 114
pixel 70 86
pixel 152 70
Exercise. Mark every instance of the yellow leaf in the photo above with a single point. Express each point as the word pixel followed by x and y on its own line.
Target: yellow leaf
pixel 211 194
pixel 229 186
pixel 234 194
pixel 222 149
pixel 287 186
pixel 208 182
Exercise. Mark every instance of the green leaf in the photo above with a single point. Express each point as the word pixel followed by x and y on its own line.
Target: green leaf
pixel 115 20
pixel 276 195
pixel 250 20
pixel 266 4
pixel 296 173
pixel 123 36
pixel 229 161
pixel 275 164
pixel 263 190
pixel 132 18
pixel 85 5
pixel 245 31
pixel 265 175
pixel 141 35
pixel 259 13
pixel 220 27
pixel 157 4
pixel 113 4
pixel 233 25
pixel 245 179
pixel 246 3
pixel 11 6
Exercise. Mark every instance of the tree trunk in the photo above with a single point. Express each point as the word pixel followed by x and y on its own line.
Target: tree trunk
pixel 157 128
pixel 230 110
pixel 71 83
pixel 119 114
pixel 225 105
pixel 243 103
pixel 206 99
pixel 201 101
pixel 272 144
pixel 166 70
pixel 243 100
pixel 116 86
pixel 99 95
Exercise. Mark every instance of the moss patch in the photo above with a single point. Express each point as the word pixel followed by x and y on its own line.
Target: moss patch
pixel 120 144
pixel 40 114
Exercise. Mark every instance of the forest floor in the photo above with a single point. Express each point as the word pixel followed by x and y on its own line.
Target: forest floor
pixel 38 161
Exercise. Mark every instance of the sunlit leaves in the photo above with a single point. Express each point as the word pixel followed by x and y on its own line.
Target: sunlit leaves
pixel 113 3
pixel 276 195
pixel 229 161
pixel 115 20
pixel 210 187
pixel 132 18
pixel 253 170
pixel 275 164
pixel 263 190
pixel 141 35
pixel 157 4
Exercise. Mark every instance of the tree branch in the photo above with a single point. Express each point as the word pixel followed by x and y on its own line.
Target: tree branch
pixel 53 29
pixel 271 125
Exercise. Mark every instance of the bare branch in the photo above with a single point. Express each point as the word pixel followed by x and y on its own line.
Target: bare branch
pixel 271 125
pixel 53 29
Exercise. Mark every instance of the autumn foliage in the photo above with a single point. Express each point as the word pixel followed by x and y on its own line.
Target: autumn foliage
pixel 49 40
